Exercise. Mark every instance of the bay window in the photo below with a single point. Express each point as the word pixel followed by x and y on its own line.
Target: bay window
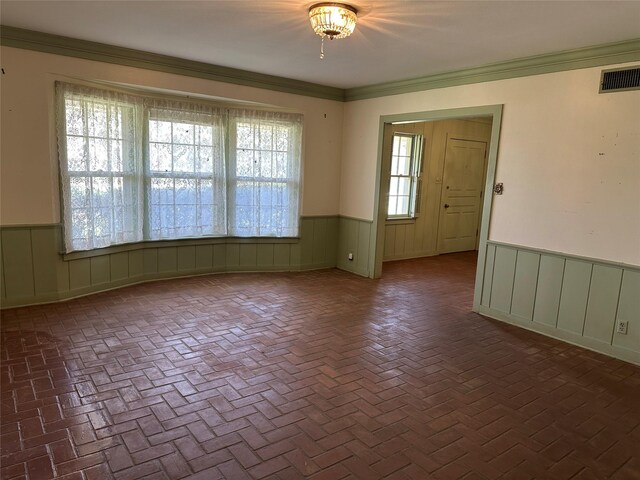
pixel 138 168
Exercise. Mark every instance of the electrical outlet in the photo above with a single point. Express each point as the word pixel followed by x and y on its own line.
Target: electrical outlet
pixel 350 257
pixel 622 327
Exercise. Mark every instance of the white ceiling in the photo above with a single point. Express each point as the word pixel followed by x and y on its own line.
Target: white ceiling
pixel 394 40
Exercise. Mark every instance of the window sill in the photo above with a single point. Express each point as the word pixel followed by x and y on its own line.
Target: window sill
pixel 401 221
pixel 184 242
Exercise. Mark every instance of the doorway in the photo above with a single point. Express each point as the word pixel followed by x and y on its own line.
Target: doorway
pixel 464 225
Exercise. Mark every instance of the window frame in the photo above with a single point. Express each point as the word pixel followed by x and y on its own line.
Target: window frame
pixel 150 175
pixel 292 186
pixel 415 176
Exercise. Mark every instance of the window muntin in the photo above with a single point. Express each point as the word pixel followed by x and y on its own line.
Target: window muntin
pixel 404 178
pixel 136 168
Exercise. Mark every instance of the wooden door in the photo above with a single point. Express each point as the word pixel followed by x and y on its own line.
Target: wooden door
pixel 461 198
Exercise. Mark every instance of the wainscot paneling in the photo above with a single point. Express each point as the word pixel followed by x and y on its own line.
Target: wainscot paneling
pixel 353 238
pixel 33 270
pixel 576 299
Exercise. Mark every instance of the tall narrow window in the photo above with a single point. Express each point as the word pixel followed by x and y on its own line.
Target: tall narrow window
pixel 404 180
pixel 99 167
pixel 264 174
pixel 185 174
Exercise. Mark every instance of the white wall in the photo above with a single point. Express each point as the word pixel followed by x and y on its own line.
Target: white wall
pixel 28 171
pixel 569 159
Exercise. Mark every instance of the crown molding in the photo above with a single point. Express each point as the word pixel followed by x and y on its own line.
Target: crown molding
pixel 73 47
pixel 621 52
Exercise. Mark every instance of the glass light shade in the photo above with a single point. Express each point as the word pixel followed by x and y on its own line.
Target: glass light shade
pixel 333 20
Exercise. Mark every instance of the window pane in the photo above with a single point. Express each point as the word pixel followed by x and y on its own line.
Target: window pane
pixel 393 186
pixel 282 139
pixel 204 160
pixel 160 157
pixel 244 135
pixel 394 165
pixel 404 166
pixel 204 135
pixel 117 191
pixel 162 204
pixel 393 202
pixel 244 163
pixel 97 120
pixel 183 158
pixel 159 131
pixel 102 222
pixel 405 146
pixel 396 146
pixel 80 192
pixel 266 164
pixel 185 192
pixel 116 155
pixel 76 154
pixel 183 133
pixel 403 205
pixel 101 191
pixel 98 155
pixel 81 228
pixel 280 167
pixel 75 121
pixel 404 185
pixel 162 191
pixel 265 137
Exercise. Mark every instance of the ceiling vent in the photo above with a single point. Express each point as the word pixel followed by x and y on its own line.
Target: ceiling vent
pixel 620 79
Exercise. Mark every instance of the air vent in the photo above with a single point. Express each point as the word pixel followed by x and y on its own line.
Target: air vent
pixel 620 80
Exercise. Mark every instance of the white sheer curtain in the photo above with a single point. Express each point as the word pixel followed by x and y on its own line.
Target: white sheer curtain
pixel 99 145
pixel 264 173
pixel 185 172
pixel 138 168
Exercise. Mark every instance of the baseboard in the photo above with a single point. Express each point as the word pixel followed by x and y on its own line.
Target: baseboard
pixel 563 335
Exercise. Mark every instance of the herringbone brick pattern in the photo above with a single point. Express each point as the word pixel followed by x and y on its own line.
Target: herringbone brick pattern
pixel 320 375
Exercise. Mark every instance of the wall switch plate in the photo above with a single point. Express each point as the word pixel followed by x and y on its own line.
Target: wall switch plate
pixel 350 257
pixel 621 328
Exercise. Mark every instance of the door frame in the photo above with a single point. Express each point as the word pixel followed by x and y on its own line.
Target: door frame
pixel 376 247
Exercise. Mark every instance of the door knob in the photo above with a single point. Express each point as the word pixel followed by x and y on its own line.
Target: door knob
pixel 446 205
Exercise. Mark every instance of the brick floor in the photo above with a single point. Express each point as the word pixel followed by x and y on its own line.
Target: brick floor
pixel 320 375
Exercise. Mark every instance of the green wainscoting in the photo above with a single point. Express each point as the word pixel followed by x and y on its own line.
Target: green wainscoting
pixel 571 298
pixel 34 271
pixel 354 236
pixel 575 299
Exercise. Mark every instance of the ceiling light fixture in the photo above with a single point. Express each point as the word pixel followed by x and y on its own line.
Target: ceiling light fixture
pixel 333 20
